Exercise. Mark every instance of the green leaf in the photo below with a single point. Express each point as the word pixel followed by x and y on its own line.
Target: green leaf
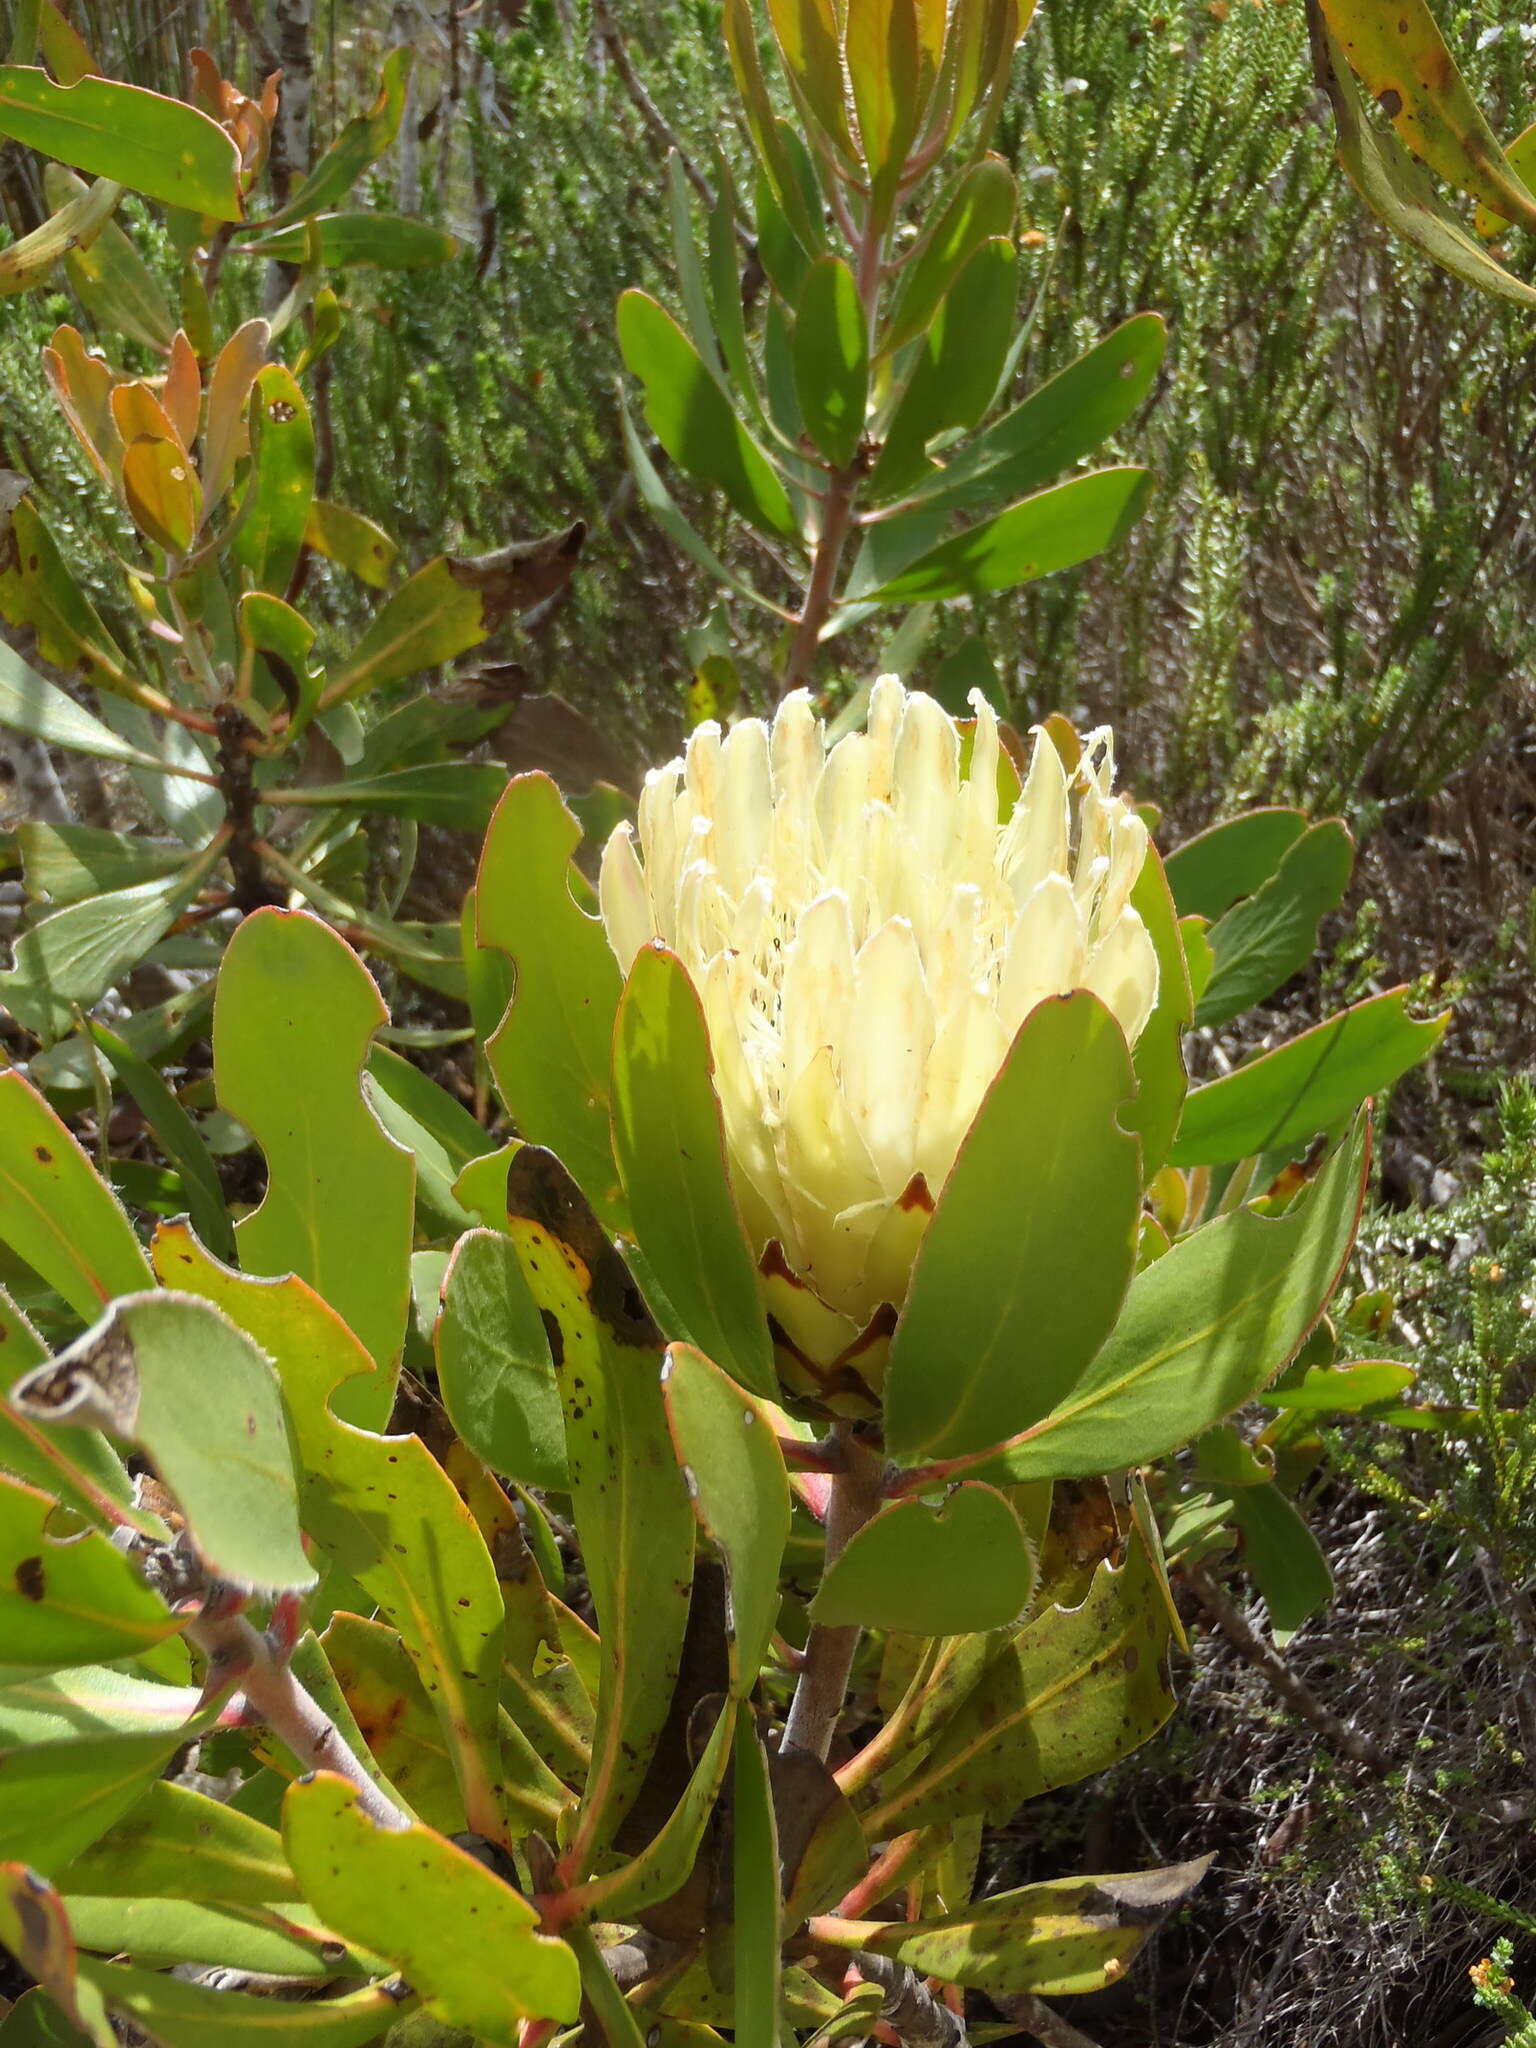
pixel 983 203
pixel 1404 63
pixel 831 355
pixel 429 620
pixel 957 366
pixel 160 147
pixel 736 1480
pixel 274 508
pixel 35 1928
pixel 757 1909
pixel 1397 191
pixel 56 1798
pixel 76 223
pixel 351 541
pixel 1067 1696
pixel 662 1867
pixel 109 277
pixel 68 863
pixel 1283 1559
pixel 614 2014
pixel 880 48
pixel 692 417
pixel 393 1715
pixel 659 502
pixel 312 1667
pixel 670 1147
pixel 1309 1084
pixel 30 705
pixel 1057 425
pixel 435 1128
pixel 55 1211
pixel 284 1941
pixel 957 1568
pixel 630 1502
pixel 433 1910
pixel 1264 940
pixel 178 1137
pixel 339 1200
pixel 69 960
pixel 690 271
pixel 80 1470
pixel 68 1603
pixel 38 589
pixel 347 239
pixel 1053 530
pixel 1346 1390
pixel 1059 1939
pixel 458 795
pixel 1023 1290
pixel 426 1565
pixel 550 1056
pixel 170 1374
pixel 361 142
pixel 34 2021
pixel 178 1844
pixel 1218 867
pixel 1204 1327
pixel 193 2016
pixel 494 1370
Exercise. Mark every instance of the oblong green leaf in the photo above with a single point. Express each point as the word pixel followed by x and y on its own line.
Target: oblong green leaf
pixel 339 1202
pixel 740 1492
pixel 80 1602
pixel 494 1369
pixel 193 2016
pixel 1402 59
pixel 1221 865
pixel 56 1212
pixel 382 239
pixel 460 796
pixel 426 622
pixel 550 1056
pixel 56 1798
pixel 160 147
pixel 1012 1296
pixel 957 1568
pixel 1054 529
pixel 669 1143
pixel 692 417
pixel 1309 1084
pixel 432 1909
pixel 1264 940
pixel 831 353
pixel 1204 1327
pixel 169 1373
pixel 957 366
pixel 179 1844
pixel 30 705
pixel 363 139
pixel 1069 416
pixel 274 508
pixel 1069 1695
pixel 1283 1558
pixel 983 204
pixel 627 1491
pixel 76 224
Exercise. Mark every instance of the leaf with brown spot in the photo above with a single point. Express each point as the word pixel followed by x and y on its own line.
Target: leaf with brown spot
pixel 632 1510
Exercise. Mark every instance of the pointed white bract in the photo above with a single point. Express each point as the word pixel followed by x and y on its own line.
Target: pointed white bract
pixel 868 928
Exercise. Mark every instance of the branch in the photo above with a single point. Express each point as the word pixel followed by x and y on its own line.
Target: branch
pixel 911 2010
pixel 1349 1740
pixel 275 1699
pixel 1047 2027
pixel 823 1683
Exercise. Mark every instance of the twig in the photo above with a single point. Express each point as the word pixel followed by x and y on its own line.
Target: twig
pixel 911 2010
pixel 1349 1740
pixel 275 1699
pixel 823 1684
pixel 1038 2019
pixel 654 119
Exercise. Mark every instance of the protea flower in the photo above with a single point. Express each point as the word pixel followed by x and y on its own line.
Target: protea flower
pixel 867 926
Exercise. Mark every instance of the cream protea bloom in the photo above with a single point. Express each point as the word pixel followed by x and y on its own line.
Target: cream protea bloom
pixel 867 933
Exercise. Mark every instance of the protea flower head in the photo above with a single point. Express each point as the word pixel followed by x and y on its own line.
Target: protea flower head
pixel 868 925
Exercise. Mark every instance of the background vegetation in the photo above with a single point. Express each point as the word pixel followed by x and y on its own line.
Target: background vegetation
pixel 1329 603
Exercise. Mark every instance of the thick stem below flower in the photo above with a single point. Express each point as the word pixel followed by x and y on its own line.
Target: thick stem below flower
pixel 823 1683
